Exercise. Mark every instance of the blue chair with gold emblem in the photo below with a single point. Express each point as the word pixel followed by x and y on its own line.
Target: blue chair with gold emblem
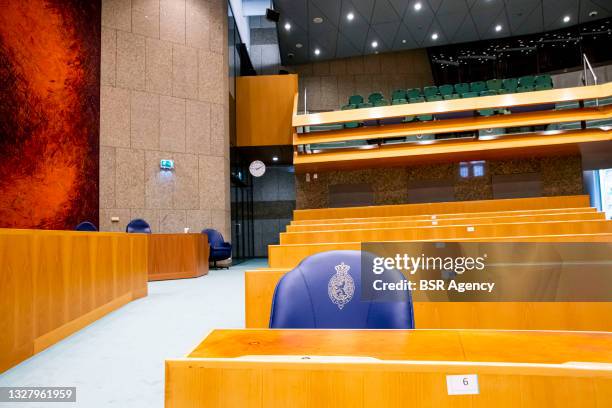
pixel 325 291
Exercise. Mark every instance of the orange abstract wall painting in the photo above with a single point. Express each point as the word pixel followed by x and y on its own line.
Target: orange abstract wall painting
pixel 49 113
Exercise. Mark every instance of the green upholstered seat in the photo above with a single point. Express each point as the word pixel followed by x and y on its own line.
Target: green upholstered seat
pixel 544 81
pixel 469 94
pixel 430 91
pixel 434 98
pixel 400 101
pixel 524 89
pixel 462 88
pixel 413 93
pixel 375 96
pixel 398 94
pixel 527 81
pixel 495 84
pixel 478 86
pixel 364 105
pixel 510 84
pixel 355 99
pixel 543 87
pixel 446 89
pixel 451 96
pixel 381 102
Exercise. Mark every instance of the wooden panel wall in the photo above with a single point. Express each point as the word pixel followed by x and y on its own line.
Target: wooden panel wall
pixel 53 283
pixel 264 109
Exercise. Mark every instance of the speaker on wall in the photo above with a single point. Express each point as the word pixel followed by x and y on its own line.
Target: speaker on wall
pixel 272 15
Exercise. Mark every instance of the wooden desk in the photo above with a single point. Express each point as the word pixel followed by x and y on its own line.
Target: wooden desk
pixel 177 256
pixel 392 368
pixel 53 283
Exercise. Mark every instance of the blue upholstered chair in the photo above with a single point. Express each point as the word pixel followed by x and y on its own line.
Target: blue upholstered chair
pixel 85 226
pixel 319 294
pixel 138 225
pixel 219 249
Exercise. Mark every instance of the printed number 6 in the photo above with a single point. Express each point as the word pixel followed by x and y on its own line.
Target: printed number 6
pixel 466 381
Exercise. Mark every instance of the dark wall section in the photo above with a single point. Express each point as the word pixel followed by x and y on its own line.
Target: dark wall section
pixel 273 204
pixel 553 51
pixel 549 176
pixel 49 113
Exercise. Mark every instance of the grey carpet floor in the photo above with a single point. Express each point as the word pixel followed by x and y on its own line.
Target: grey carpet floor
pixel 118 361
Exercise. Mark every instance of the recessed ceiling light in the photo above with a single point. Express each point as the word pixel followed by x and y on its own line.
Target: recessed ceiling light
pixel 298 45
pixel 498 28
pixel 317 20
pixel 275 158
pixel 434 36
pixel 566 19
pixel 418 6
pixel 593 13
pixel 403 41
pixel 374 44
pixel 350 16
pixel 317 51
pixel 287 26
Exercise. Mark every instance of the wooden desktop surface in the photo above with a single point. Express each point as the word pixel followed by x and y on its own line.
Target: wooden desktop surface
pixel 392 368
pixel 53 283
pixel 177 256
pixel 540 347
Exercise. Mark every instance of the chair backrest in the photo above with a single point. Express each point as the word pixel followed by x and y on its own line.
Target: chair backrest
pixel 85 226
pixel 413 93
pixel 446 89
pixel 324 291
pixel 462 88
pixel 355 99
pixel 375 96
pixel 214 237
pixel 138 225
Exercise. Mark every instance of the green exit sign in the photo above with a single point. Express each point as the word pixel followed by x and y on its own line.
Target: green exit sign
pixel 165 164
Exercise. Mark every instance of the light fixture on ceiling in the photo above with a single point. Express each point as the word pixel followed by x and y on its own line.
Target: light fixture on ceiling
pixel 498 28
pixel 275 158
pixel 593 13
pixel 374 44
pixel 350 16
pixel 298 45
pixel 418 6
pixel 287 26
pixel 317 20
pixel 434 36
pixel 566 19
pixel 317 51
pixel 403 41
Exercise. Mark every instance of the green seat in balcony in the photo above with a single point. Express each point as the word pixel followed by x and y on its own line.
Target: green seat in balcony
pixel 399 101
pixel 381 102
pixel 527 81
pixel 544 81
pixel 375 96
pixel 413 93
pixel 355 99
pixel 451 96
pixel 478 86
pixel 445 89
pixel 524 89
pixel 495 85
pixel 462 88
pixel 510 84
pixel 434 98
pixel 398 94
pixel 469 94
pixel 429 91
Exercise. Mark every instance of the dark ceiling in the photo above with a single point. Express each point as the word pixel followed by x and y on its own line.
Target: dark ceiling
pixel 397 24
